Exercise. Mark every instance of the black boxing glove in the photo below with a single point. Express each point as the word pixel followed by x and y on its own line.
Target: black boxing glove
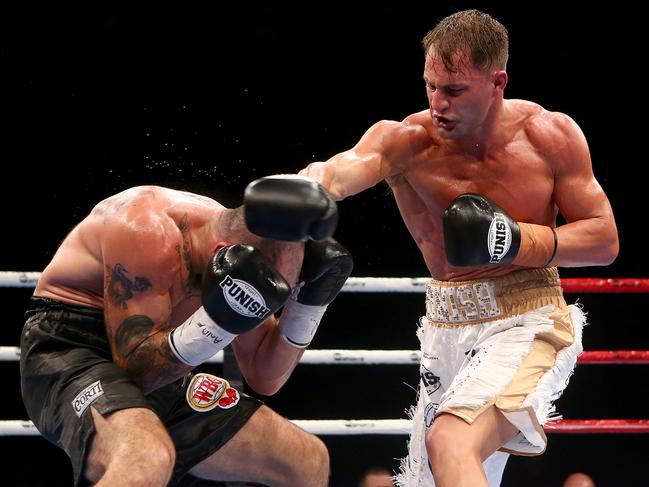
pixel 478 232
pixel 240 290
pixel 325 268
pixel 289 207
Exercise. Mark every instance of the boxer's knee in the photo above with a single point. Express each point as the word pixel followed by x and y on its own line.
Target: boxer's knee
pixel 158 455
pixel 151 466
pixel 445 443
pixel 315 468
pixel 303 456
pixel 130 444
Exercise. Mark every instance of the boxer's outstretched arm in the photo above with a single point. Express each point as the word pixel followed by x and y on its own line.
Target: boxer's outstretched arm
pixel 590 235
pixel 376 156
pixel 139 269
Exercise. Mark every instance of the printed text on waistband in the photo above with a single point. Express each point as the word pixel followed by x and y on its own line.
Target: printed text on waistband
pixel 467 302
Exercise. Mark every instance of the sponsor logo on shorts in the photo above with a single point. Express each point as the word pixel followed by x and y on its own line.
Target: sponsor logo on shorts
pixel 429 413
pixel 499 238
pixel 206 392
pixel 244 298
pixel 522 441
pixel 431 381
pixel 86 397
pixel 461 303
pixel 473 352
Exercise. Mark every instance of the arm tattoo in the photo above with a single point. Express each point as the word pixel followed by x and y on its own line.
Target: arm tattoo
pixel 148 358
pixel 131 333
pixel 121 288
pixel 154 365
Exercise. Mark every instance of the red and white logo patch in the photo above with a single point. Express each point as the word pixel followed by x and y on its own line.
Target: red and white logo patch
pixel 207 391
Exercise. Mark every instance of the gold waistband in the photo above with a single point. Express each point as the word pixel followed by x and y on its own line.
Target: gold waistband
pixel 457 303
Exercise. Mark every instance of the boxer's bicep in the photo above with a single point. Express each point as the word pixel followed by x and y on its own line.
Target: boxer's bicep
pixel 577 192
pixel 590 236
pixel 137 301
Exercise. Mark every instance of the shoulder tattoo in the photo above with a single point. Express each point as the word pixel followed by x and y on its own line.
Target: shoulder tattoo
pixel 184 251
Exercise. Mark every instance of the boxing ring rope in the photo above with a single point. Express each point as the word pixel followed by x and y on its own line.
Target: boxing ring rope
pixel 401 357
pixel 407 284
pixel 398 426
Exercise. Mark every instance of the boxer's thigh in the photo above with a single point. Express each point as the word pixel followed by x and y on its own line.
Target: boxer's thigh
pixel 268 449
pixel 127 442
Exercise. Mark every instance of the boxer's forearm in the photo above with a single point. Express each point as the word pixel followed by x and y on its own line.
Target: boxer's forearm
pixel 276 366
pixel 349 172
pixel 266 359
pixel 587 242
pixel 147 359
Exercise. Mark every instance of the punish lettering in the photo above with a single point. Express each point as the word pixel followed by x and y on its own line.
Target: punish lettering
pixel 244 298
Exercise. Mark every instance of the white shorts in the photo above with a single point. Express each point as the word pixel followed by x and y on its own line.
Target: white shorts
pixel 511 342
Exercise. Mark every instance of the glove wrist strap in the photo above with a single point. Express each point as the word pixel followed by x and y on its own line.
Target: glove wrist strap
pixel 538 244
pixel 198 338
pixel 299 322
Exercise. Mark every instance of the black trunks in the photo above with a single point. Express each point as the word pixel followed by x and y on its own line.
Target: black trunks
pixel 66 366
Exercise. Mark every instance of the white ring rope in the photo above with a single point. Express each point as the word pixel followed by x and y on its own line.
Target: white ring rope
pixel 19 279
pixel 408 284
pixel 398 426
pixel 401 357
pixel 353 284
pixel 9 354
pixel 315 426
pixel 386 284
pixel 352 357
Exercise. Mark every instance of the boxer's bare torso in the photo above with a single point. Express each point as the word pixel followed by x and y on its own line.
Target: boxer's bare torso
pixel 517 171
pixel 78 271
pixel 532 164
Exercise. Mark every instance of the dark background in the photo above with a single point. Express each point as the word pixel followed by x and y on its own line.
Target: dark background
pixel 207 100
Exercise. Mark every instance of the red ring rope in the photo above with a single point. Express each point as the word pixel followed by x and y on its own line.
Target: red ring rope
pixel 577 426
pixel 614 357
pixel 599 285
